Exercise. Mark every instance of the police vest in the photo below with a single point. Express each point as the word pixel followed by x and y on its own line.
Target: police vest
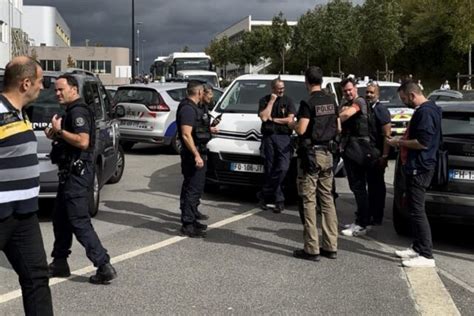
pixel 324 112
pixel 201 133
pixel 75 153
pixel 357 125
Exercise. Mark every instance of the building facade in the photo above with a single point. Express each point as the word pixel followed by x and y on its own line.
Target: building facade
pixel 13 40
pixel 234 34
pixel 45 26
pixel 110 64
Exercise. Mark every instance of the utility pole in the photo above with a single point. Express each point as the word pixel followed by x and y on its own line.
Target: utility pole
pixel 133 39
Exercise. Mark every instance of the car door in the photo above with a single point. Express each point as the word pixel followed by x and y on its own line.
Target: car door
pixel 105 143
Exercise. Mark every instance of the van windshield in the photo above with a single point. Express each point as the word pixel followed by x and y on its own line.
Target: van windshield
pixel 244 95
pixel 388 96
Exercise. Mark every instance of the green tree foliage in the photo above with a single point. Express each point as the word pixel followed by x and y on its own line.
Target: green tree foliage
pixel 303 44
pixel 220 51
pixel 252 47
pixel 380 24
pixel 279 39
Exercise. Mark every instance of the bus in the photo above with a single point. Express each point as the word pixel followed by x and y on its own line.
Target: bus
pixel 159 67
pixel 188 61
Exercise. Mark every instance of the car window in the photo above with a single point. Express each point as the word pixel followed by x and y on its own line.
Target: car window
pixel 106 100
pixel 217 94
pixel 388 95
pixel 244 95
pixel 136 95
pixel 458 124
pixel 44 108
pixel 177 94
pixel 92 98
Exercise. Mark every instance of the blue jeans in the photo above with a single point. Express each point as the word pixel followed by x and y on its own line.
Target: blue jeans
pixel 21 241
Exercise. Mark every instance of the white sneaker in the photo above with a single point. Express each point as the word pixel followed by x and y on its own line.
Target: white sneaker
pixel 407 253
pixel 355 230
pixel 346 226
pixel 419 262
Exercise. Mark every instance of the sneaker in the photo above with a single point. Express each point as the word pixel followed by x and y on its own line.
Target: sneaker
pixel 59 269
pixel 192 232
pixel 419 262
pixel 328 254
pixel 346 226
pixel 279 207
pixel 407 253
pixel 105 273
pixel 301 254
pixel 201 217
pixel 200 226
pixel 355 231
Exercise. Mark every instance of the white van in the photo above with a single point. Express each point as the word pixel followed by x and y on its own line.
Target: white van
pixel 203 75
pixel 234 153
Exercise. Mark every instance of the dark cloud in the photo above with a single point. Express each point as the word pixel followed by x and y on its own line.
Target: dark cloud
pixel 167 25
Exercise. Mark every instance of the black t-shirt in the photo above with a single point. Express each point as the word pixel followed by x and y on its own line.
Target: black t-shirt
pixel 326 105
pixel 78 120
pixel 282 107
pixel 381 116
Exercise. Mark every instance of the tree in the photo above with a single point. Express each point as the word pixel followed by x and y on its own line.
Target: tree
pixel 185 49
pixel 380 25
pixel 280 36
pixel 303 42
pixel 34 54
pixel 252 47
pixel 71 63
pixel 220 51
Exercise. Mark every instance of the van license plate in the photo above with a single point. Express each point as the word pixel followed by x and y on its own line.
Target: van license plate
pixel 457 174
pixel 246 167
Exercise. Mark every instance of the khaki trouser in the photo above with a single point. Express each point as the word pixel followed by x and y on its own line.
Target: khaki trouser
pixel 308 185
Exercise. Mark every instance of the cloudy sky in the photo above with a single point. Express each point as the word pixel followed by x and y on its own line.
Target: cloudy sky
pixel 168 25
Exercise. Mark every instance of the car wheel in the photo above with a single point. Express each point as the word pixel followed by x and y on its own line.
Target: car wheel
pixel 117 175
pixel 126 145
pixel 400 222
pixel 176 144
pixel 95 193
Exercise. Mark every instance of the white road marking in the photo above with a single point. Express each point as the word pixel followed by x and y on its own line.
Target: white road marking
pixel 129 255
pixel 428 291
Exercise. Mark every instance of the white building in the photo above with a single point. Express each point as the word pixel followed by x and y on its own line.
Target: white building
pixel 11 12
pixel 45 26
pixel 234 34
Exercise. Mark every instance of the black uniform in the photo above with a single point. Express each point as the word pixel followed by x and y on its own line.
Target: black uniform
pixel 76 180
pixel 194 115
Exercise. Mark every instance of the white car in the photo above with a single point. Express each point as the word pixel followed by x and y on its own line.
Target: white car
pixel 399 112
pixel 150 113
pixel 234 153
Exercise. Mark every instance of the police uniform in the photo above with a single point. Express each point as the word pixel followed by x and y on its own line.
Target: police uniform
pixel 197 116
pixel 354 128
pixel 276 149
pixel 315 175
pixel 76 180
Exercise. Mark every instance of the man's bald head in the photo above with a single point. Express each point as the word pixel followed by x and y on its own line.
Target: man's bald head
pixel 19 69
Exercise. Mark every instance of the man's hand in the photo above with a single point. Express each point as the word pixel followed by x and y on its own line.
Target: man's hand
pixel 214 129
pixel 56 123
pixel 292 124
pixel 199 161
pixel 393 141
pixel 49 133
pixel 273 97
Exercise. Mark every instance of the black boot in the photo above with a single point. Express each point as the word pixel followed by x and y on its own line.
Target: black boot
pixel 59 268
pixel 105 273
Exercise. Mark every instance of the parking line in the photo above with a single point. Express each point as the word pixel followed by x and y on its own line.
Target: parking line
pixel 129 255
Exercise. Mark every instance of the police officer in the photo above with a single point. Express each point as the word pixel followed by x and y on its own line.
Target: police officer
pixel 194 131
pixel 276 111
pixel 73 151
pixel 318 124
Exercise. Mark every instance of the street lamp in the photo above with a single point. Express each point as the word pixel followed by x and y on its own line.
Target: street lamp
pixel 138 47
pixel 143 56
pixel 133 39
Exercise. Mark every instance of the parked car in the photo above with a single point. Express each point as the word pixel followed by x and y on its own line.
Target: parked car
pixel 112 90
pixel 109 156
pixel 150 113
pixel 399 112
pixel 453 202
pixel 234 153
pixel 445 95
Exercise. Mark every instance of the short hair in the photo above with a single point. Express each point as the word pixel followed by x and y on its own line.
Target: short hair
pixel 71 80
pixel 348 80
pixel 20 69
pixel 375 85
pixel 193 87
pixel 275 81
pixel 314 75
pixel 409 86
pixel 207 88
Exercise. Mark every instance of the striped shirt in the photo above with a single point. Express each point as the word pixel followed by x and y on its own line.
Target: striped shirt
pixel 19 169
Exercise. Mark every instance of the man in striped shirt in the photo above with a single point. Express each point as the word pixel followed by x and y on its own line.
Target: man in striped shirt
pixel 20 235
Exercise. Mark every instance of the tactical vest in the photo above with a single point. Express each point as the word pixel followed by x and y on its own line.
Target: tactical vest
pixel 201 133
pixel 325 118
pixel 357 125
